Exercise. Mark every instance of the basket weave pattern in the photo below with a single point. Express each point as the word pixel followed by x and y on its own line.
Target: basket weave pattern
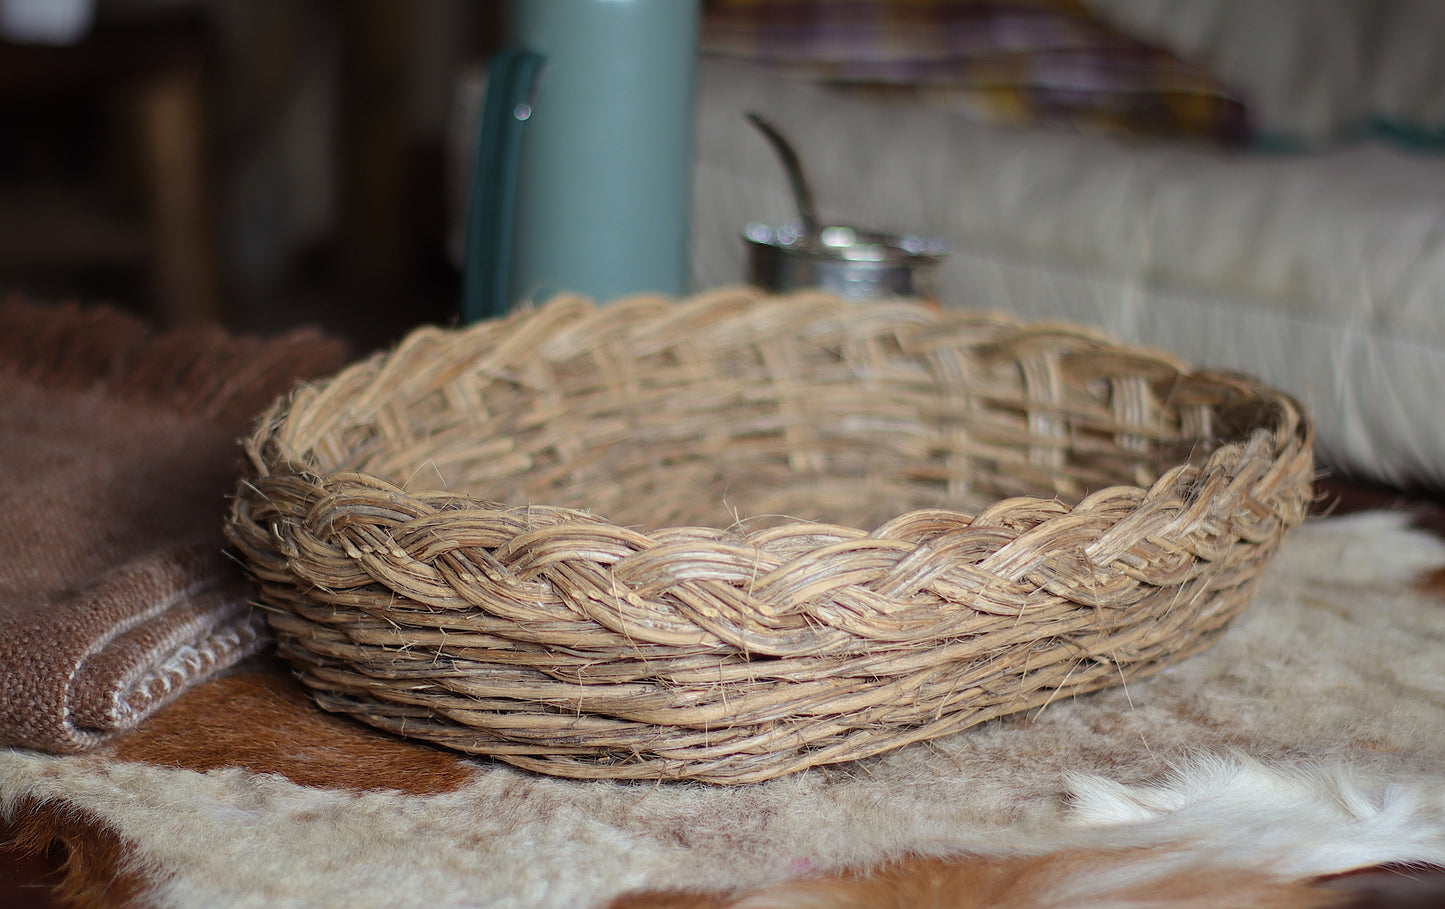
pixel 732 537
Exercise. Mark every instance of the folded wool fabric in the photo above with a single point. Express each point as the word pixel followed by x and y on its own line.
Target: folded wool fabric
pixel 118 447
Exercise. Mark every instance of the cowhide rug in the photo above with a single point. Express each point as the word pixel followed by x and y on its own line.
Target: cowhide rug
pixel 1310 741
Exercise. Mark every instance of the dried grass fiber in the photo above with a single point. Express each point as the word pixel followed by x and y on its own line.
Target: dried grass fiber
pixel 728 538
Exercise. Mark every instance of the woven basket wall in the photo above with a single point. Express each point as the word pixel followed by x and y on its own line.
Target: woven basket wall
pixel 731 537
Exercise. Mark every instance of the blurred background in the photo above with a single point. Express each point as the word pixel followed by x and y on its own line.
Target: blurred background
pixel 263 163
pixel 1251 186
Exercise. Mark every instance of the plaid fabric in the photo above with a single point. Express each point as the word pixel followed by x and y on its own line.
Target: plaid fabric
pixel 1013 62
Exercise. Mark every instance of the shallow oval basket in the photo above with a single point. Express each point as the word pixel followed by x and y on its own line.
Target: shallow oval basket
pixel 731 537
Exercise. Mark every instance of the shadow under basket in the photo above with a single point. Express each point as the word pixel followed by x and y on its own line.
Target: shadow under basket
pixel 731 537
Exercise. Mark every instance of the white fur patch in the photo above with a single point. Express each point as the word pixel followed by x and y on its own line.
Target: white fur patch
pixel 1298 821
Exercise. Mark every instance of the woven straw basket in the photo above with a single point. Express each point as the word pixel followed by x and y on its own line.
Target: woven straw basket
pixel 731 537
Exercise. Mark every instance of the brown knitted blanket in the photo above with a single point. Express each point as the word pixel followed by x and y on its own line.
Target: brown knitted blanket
pixel 117 449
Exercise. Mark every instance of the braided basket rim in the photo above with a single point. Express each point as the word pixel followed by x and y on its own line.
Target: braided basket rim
pixel 552 638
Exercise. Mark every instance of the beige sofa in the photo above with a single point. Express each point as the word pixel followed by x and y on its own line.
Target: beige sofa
pixel 1321 270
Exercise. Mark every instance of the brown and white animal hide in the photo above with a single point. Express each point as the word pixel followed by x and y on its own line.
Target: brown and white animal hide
pixel 1308 742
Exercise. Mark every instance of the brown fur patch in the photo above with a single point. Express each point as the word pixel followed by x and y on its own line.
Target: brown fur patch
pixel 84 853
pixel 1392 887
pixel 263 721
pixel 1024 882
pixel 1434 582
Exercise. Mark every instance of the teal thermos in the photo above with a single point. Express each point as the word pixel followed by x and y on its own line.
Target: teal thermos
pixel 582 178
